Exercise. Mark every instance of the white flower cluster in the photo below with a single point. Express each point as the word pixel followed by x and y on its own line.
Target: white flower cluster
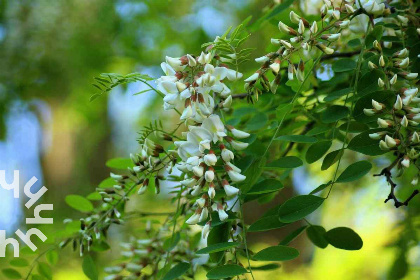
pixel 189 82
pixel 402 120
pixel 206 161
pixel 304 37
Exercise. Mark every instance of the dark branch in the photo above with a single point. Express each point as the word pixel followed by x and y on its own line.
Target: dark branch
pixel 334 55
pixel 387 173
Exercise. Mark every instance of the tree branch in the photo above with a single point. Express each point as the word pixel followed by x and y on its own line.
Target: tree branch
pixel 387 173
pixel 334 55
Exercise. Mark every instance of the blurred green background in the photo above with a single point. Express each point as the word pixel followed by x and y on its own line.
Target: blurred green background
pixel 51 50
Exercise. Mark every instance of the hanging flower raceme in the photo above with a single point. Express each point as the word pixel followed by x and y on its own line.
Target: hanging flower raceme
pixel 190 82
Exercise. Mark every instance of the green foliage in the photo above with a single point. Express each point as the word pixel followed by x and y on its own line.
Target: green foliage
pixel 299 207
pixel 277 253
pixel 79 203
pixel 177 271
pixel 89 268
pixel 344 238
pixel 225 271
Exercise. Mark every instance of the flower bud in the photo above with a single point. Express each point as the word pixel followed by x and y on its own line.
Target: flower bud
pixel 286 29
pixel 377 135
pixel 194 218
pixel 372 65
pixel 381 83
pixel 221 211
pixel 349 9
pixel 383 146
pixel 210 159
pixel 398 103
pixel 211 192
pixel 404 121
pixel 381 61
pixel 393 79
pixel 390 142
pixel 314 28
pixel 301 28
pixel 369 112
pixel 384 123
pixel 377 106
pixel 252 78
pixel 206 230
pixel 377 45
pixel 406 162
pixel 324 48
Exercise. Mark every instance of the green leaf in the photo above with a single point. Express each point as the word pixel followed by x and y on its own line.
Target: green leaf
pixel 11 273
pixel 299 207
pixel 386 97
pixel 79 203
pixel 45 270
pixel 362 143
pixel 257 122
pixel 375 34
pixel 19 262
pixel 266 267
pixel 266 186
pixel 108 182
pixel 120 163
pixel 252 173
pixel 277 253
pixel 369 82
pixel 217 247
pixel 266 223
pixel 226 271
pixel 218 234
pixel 297 138
pixel 52 257
pixel 344 238
pixel 337 94
pixel 320 188
pixel 318 130
pixel 316 235
pixel 292 236
pixel 317 150
pixel 343 65
pixel 171 241
pixel 334 113
pixel 331 158
pixel 89 268
pixel 274 12
pixel 355 171
pixel 95 196
pixel 177 271
pixel 354 127
pixel 285 162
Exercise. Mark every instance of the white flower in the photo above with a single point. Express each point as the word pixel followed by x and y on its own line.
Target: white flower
pixel 314 28
pixel 193 219
pixel 229 190
pixel 262 59
pixel 294 17
pixel 405 162
pixel 398 103
pixel 383 146
pixel 167 69
pixel 204 215
pixel 201 202
pixel 188 182
pixel 383 123
pixel 390 142
pixel 235 176
pixel 227 103
pixel 210 159
pixel 175 63
pixel 187 113
pixel 116 176
pixel 191 61
pixel 211 192
pixel 198 171
pixel 238 145
pixel 209 175
pixel 222 214
pixel 239 133
pixel 206 230
pixel 253 77
pixel 393 79
pixel 196 190
pixel 227 155
pixel 233 75
pixel 369 112
pixel 215 126
pixel 142 189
